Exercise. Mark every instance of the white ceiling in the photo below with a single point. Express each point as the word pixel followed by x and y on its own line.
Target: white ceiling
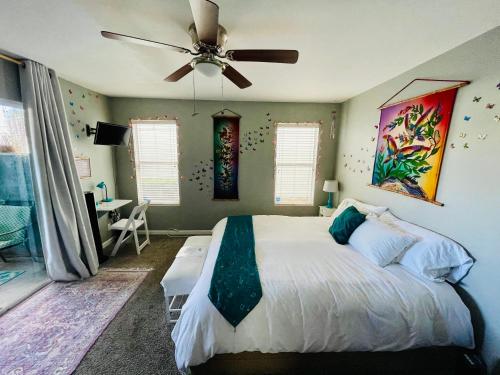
pixel 346 46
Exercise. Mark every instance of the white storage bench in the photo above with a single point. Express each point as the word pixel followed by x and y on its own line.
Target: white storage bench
pixel 184 272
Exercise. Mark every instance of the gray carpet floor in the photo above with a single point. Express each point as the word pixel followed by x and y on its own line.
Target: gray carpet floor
pixel 138 341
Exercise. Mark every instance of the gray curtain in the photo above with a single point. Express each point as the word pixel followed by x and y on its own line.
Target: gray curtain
pixel 65 230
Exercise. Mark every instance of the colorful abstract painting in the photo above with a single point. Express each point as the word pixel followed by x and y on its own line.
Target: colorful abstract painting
pixel 226 149
pixel 411 143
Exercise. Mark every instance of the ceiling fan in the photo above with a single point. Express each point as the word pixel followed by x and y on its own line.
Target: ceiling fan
pixel 209 40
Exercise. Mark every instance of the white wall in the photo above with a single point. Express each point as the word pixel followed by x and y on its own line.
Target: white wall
pixel 470 178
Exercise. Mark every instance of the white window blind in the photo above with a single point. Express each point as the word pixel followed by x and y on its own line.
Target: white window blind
pixel 295 163
pixel 156 161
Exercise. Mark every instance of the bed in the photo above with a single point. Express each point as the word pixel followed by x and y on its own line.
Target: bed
pixel 320 297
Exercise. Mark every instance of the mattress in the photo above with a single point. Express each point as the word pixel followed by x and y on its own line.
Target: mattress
pixel 319 296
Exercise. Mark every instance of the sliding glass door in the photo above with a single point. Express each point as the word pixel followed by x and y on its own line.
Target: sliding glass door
pixel 22 267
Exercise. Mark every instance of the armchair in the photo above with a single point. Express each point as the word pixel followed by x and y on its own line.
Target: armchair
pixel 14 224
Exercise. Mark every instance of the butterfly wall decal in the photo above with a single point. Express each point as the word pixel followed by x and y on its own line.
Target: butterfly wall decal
pixel 452 145
pixel 466 145
pixel 497 118
pixel 482 137
pixel 490 106
pixel 467 118
pixel 477 99
pixel 463 134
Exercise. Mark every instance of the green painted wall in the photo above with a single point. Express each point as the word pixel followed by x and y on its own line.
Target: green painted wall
pixel 84 106
pixel 469 177
pixel 256 170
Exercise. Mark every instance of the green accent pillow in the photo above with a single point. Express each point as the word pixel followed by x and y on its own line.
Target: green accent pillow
pixel 345 224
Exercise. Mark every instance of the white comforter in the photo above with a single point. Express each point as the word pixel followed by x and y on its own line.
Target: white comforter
pixel 319 296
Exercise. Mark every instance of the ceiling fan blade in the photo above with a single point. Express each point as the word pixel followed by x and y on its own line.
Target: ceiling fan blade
pixel 179 73
pixel 144 42
pixel 285 56
pixel 234 76
pixel 206 20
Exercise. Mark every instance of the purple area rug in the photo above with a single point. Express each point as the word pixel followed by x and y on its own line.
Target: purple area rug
pixel 51 331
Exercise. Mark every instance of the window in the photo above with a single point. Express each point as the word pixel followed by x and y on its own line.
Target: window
pixel 12 128
pixel 156 161
pixel 19 231
pixel 295 163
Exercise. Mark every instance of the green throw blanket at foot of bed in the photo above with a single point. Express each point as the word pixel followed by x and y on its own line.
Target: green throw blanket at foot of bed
pixel 235 287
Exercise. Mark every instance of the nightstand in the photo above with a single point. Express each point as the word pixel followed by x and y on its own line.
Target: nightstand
pixel 325 211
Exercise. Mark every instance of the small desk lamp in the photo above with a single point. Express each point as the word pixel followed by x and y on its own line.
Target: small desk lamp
pixel 330 186
pixel 102 185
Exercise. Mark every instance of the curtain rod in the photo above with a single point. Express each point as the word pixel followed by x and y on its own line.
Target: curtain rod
pixel 11 59
pixel 461 83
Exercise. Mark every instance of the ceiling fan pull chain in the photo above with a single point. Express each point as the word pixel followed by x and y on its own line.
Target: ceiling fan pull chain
pixel 194 97
pixel 222 92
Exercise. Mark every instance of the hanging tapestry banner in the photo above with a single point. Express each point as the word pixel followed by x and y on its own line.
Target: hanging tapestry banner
pixel 411 144
pixel 226 153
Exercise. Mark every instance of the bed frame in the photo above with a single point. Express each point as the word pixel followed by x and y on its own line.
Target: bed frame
pixel 428 361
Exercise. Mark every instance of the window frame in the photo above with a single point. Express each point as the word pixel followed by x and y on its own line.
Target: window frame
pixel 302 124
pixel 167 121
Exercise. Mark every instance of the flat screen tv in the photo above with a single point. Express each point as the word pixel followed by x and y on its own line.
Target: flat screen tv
pixel 111 134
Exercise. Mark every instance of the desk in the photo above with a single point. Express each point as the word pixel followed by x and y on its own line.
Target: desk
pixel 113 205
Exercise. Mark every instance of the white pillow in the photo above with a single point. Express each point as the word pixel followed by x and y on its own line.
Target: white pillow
pixel 380 242
pixel 364 208
pixel 434 257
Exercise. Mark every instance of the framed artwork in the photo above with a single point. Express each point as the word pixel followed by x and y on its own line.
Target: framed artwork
pixel 411 143
pixel 226 153
pixel 83 167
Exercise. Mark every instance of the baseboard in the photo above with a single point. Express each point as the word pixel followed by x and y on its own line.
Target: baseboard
pixel 108 242
pixel 177 232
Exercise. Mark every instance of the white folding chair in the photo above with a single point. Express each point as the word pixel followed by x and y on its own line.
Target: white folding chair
pixel 128 228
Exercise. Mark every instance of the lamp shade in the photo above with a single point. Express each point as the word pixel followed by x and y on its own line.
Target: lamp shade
pixel 331 186
pixel 102 185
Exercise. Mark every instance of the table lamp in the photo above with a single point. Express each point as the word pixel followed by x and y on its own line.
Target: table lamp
pixel 330 186
pixel 102 185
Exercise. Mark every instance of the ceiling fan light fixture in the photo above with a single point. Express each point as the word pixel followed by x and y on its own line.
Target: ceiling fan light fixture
pixel 207 68
pixel 209 39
